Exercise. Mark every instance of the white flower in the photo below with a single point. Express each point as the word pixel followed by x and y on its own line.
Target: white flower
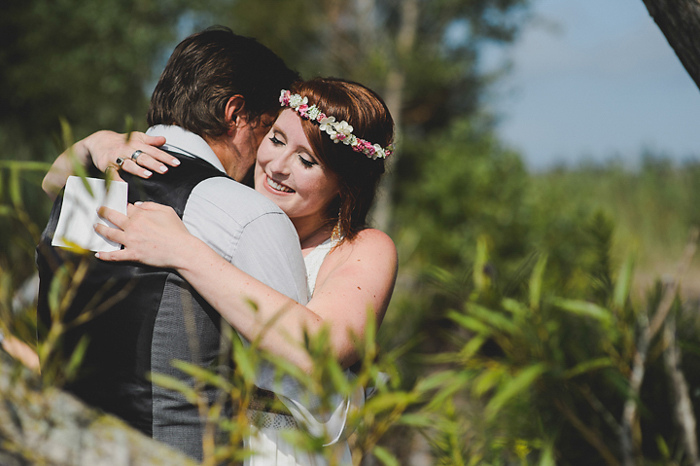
pixel 334 136
pixel 314 112
pixel 327 123
pixel 295 100
pixel 378 152
pixel 344 127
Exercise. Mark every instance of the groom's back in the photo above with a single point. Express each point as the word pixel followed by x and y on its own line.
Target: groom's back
pixel 133 320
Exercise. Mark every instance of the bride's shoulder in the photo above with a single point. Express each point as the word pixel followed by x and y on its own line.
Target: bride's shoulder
pixel 368 261
pixel 370 244
pixel 374 237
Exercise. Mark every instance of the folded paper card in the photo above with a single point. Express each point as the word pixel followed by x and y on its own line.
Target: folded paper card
pixel 78 215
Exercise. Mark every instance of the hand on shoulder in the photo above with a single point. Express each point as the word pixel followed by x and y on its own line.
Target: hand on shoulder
pixel 138 152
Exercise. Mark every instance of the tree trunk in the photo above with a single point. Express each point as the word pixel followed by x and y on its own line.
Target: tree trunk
pixel 51 427
pixel 679 21
pixel 394 96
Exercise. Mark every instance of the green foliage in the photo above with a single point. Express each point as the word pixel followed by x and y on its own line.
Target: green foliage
pixel 86 61
pixel 463 186
pixel 545 376
pixel 20 211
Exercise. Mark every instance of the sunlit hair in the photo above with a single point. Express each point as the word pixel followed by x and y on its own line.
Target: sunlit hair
pixel 357 174
pixel 208 68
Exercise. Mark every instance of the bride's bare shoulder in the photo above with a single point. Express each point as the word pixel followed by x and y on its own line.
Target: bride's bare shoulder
pixel 369 246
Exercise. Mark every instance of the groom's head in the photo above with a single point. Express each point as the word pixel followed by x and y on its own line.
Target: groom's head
pixel 225 88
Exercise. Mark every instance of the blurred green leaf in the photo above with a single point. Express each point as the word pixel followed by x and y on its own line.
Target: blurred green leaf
pixel 385 456
pixel 481 280
pixel 469 323
pixel 14 187
pixel 77 357
pixel 472 347
pixel 587 366
pixel 434 381
pixel 623 283
pixel 171 383
pixel 491 375
pixel 584 308
pixel 492 318
pixel 417 420
pixel 547 457
pixel 202 374
pixel 521 382
pixel 536 282
pixel 245 361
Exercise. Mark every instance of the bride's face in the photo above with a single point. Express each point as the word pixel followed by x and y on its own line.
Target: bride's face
pixel 289 173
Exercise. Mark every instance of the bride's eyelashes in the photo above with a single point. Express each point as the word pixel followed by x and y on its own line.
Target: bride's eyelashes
pixel 307 163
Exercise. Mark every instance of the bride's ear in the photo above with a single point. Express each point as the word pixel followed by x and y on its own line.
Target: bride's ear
pixel 235 112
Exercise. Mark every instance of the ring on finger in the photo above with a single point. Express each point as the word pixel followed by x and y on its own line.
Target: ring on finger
pixel 120 162
pixel 136 154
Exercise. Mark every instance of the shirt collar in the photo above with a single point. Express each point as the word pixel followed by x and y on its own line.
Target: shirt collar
pixel 186 143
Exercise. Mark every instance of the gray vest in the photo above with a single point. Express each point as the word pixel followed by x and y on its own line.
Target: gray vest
pixel 139 319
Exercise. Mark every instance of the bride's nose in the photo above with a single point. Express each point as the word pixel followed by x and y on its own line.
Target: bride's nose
pixel 279 164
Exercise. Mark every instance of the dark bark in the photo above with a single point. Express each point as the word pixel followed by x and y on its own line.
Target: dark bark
pixel 679 21
pixel 47 426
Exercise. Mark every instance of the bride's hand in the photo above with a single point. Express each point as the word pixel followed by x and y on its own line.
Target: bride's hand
pixel 151 233
pixel 105 147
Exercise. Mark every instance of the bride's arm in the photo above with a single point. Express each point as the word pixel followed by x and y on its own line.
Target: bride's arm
pixel 102 149
pixel 356 276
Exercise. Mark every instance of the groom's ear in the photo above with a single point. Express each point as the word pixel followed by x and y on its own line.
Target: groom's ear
pixel 235 112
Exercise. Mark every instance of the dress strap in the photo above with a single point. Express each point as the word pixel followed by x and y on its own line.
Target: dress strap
pixel 313 261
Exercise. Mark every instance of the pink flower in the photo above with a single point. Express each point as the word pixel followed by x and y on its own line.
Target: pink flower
pixel 284 97
pixel 302 109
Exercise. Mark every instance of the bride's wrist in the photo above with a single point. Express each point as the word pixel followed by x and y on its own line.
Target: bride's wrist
pixel 194 253
pixel 93 149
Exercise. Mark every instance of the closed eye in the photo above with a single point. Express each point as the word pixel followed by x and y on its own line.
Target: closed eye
pixel 275 141
pixel 307 163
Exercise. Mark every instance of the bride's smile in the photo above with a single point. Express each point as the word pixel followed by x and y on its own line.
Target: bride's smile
pixel 278 186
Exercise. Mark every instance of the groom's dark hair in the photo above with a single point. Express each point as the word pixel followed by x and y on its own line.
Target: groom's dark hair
pixel 206 70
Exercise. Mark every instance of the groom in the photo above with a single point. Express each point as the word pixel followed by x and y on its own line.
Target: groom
pixel 213 103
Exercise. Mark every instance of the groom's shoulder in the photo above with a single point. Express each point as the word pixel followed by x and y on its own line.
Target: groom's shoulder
pixel 225 196
pixel 224 213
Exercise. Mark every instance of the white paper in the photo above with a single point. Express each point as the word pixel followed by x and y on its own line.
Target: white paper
pixel 79 213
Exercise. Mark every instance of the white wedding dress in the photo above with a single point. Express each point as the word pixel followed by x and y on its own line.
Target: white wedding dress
pixel 268 443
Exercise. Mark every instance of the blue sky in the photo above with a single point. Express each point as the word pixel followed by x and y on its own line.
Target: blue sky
pixel 595 79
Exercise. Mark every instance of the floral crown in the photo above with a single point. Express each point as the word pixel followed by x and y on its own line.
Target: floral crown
pixel 338 131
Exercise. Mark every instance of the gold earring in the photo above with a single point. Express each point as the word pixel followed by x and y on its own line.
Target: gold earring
pixel 337 232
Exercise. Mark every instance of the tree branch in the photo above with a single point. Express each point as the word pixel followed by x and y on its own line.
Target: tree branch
pixel 679 21
pixel 683 405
